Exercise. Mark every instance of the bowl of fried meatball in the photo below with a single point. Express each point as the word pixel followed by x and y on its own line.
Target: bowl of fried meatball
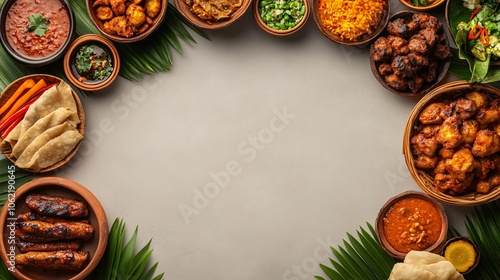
pixel 412 55
pixel 451 143
pixel 127 21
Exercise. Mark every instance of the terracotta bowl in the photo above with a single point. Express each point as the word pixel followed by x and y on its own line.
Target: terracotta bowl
pixel 49 79
pixel 32 61
pixel 421 8
pixel 279 32
pixel 361 41
pixel 99 24
pixel 70 58
pixel 442 68
pixel 424 178
pixel 58 187
pixel 468 240
pixel 379 223
pixel 185 10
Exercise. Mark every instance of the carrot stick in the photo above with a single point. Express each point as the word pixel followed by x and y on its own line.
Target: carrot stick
pixel 39 85
pixel 27 84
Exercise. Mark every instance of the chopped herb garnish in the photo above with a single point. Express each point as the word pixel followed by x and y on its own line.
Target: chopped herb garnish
pixel 38 24
pixel 92 63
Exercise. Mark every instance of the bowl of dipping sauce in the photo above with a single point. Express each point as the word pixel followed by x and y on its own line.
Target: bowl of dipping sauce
pixel 92 62
pixel 36 32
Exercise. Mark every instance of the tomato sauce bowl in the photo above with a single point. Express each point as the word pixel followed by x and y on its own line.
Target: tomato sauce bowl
pixel 36 33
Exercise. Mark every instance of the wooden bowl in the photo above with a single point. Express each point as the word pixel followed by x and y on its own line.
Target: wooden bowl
pixel 423 178
pixel 379 223
pixel 70 58
pixel 49 79
pixel 435 4
pixel 59 187
pixel 99 24
pixel 35 61
pixel 443 66
pixel 279 32
pixel 185 10
pixel 360 41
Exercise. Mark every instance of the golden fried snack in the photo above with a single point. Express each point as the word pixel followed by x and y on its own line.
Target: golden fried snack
pixel 120 26
pixel 38 231
pixel 483 186
pixel 25 246
pixel 469 130
pixel 440 167
pixel 153 8
pixel 101 3
pixel 104 13
pixel 135 15
pixel 137 2
pixel 446 153
pixel 449 132
pixel 480 98
pixel 424 145
pixel 118 7
pixel 426 162
pixel 488 115
pixel 466 108
pixel 487 143
pixel 432 114
pixel 453 183
pixel 461 162
pixel 57 206
pixel 483 167
pixel 64 259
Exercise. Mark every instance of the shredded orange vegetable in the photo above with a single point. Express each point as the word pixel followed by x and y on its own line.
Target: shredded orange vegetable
pixel 350 19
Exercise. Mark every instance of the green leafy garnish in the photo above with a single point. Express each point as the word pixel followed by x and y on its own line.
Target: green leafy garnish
pixel 92 63
pixel 38 24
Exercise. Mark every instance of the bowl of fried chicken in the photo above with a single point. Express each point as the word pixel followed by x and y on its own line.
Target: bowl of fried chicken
pixel 451 143
pixel 412 55
pixel 127 21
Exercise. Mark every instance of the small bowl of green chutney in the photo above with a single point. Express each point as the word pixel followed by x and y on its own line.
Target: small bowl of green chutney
pixel 281 17
pixel 92 62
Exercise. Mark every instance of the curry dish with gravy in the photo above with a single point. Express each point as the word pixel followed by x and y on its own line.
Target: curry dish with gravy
pixel 214 10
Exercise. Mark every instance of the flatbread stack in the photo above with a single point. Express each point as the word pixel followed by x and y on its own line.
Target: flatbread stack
pixel 48 131
pixel 419 265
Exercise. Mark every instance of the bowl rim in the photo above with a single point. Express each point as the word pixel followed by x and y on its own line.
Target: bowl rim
pixel 445 64
pixel 365 39
pixel 379 223
pixel 82 191
pixel 46 60
pixel 184 10
pixel 436 4
pixel 263 26
pixel 423 180
pixel 157 23
pixel 84 39
pixel 80 126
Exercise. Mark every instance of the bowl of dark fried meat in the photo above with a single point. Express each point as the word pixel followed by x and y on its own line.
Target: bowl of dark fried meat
pixel 52 228
pixel 210 14
pixel 452 146
pixel 412 56
pixel 127 21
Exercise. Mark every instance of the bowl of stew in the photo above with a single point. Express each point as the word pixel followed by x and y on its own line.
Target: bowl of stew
pixel 34 32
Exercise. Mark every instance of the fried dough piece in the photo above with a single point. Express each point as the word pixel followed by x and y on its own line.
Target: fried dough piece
pixel 482 167
pixel 483 186
pixel 38 231
pixel 440 167
pixel 466 108
pixel 100 3
pixel 396 82
pixel 449 132
pixel 119 26
pixel 454 184
pixel 104 13
pixel 461 162
pixel 399 45
pixel 446 153
pixel 480 98
pixel 153 8
pixel 382 49
pixel 25 246
pixel 136 15
pixel 487 143
pixel 118 7
pixel 486 116
pixel 57 206
pixel 424 145
pixel 426 162
pixel 469 130
pixel 64 260
pixel 432 114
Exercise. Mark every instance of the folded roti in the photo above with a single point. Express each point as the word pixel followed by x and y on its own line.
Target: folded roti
pixel 54 118
pixel 424 265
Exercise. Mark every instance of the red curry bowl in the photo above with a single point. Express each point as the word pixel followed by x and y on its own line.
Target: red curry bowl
pixel 62 41
pixel 414 225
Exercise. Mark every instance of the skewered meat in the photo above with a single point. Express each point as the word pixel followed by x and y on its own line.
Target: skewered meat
pixel 32 216
pixel 38 231
pixel 26 246
pixel 57 206
pixel 64 259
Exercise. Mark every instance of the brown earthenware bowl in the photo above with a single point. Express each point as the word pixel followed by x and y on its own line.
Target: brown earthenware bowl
pixel 99 24
pixel 185 10
pixel 360 41
pixel 424 178
pixel 379 223
pixel 421 8
pixel 70 59
pixel 442 68
pixel 55 186
pixel 49 79
pixel 280 32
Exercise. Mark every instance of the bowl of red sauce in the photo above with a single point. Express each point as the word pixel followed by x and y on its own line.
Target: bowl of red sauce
pixel 410 221
pixel 36 32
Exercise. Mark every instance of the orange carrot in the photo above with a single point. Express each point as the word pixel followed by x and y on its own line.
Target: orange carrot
pixel 23 99
pixel 27 84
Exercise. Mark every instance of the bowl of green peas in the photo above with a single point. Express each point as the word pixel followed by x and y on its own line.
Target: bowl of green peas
pixel 281 17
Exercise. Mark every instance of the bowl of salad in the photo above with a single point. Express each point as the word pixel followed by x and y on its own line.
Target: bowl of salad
pixel 422 5
pixel 475 28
